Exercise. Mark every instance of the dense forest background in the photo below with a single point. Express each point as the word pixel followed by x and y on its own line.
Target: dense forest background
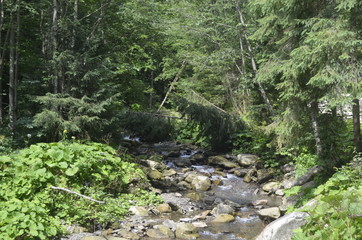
pixel 288 70
pixel 277 78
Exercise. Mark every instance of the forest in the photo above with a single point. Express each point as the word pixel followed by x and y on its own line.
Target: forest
pixel 277 78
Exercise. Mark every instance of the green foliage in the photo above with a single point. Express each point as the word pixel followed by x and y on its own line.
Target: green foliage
pixel 217 126
pixel 63 112
pixel 337 214
pixel 304 162
pixel 148 126
pixel 34 211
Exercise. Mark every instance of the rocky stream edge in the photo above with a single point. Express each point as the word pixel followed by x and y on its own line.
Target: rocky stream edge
pixel 221 197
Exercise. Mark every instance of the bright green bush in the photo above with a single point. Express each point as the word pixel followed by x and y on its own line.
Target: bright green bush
pixel 32 210
pixel 337 214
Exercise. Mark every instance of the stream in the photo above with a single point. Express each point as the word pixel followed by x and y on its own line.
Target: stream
pixel 226 189
pixel 223 209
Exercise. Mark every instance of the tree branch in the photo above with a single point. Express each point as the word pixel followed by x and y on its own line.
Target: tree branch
pixel 78 194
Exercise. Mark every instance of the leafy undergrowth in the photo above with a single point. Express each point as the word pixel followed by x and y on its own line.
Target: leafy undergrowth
pixel 31 209
pixel 338 212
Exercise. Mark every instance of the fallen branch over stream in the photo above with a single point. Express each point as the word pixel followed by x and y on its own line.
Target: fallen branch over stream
pixel 78 194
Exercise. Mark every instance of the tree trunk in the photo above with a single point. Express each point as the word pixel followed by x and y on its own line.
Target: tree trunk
pixel 316 131
pixel 12 81
pixel 356 125
pixel 1 60
pixel 16 62
pixel 75 23
pixel 172 84
pixel 54 43
pixel 252 59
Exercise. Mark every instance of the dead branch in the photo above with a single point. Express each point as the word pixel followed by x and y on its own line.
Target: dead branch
pixel 78 194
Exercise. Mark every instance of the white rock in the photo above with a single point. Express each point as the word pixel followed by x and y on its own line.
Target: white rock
pixel 282 228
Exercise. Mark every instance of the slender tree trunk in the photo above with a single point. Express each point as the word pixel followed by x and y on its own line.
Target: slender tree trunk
pixel 75 23
pixel 54 45
pixel 1 60
pixel 314 109
pixel 12 81
pixel 17 48
pixel 150 99
pixel 172 84
pixel 252 59
pixel 356 125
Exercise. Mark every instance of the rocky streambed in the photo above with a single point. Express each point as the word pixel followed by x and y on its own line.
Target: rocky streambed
pixel 211 197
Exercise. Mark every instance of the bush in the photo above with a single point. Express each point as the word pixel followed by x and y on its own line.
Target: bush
pixel 31 209
pixel 337 215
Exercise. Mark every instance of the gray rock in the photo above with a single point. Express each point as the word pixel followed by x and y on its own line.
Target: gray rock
pixel 173 154
pixel 223 218
pixel 222 162
pixel 139 211
pixel 264 175
pixel 183 162
pixel 282 228
pixel 279 192
pixel 186 231
pixel 154 174
pixel 308 176
pixel 169 172
pixel 170 224
pixel 223 209
pixel 201 183
pixel 246 160
pixel 271 186
pixel 164 208
pixel 189 176
pixel 154 165
pixel 251 175
pixel 273 212
pixel 93 238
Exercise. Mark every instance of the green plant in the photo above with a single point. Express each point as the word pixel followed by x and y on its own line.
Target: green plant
pixel 33 209
pixel 337 214
pixel 304 162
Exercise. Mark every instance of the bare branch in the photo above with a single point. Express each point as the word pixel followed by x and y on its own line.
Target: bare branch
pixel 78 194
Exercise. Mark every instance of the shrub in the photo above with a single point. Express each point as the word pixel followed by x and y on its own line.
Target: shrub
pixel 31 209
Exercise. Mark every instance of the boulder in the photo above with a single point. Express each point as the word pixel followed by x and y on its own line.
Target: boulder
pixel 264 175
pixel 186 231
pixel 155 233
pixel 154 164
pixel 240 172
pixel 154 174
pixel 201 183
pixel 272 212
pixel 271 186
pixel 250 176
pixel 222 162
pixel 197 158
pixel 182 162
pixel 166 231
pixel 93 238
pixel 222 208
pixel 223 218
pixel 169 172
pixel 173 154
pixel 308 176
pixel 139 211
pixel 282 228
pixel 164 208
pixel 260 202
pixel 246 160
pixel 189 176
pixel 170 224
pixel 183 185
